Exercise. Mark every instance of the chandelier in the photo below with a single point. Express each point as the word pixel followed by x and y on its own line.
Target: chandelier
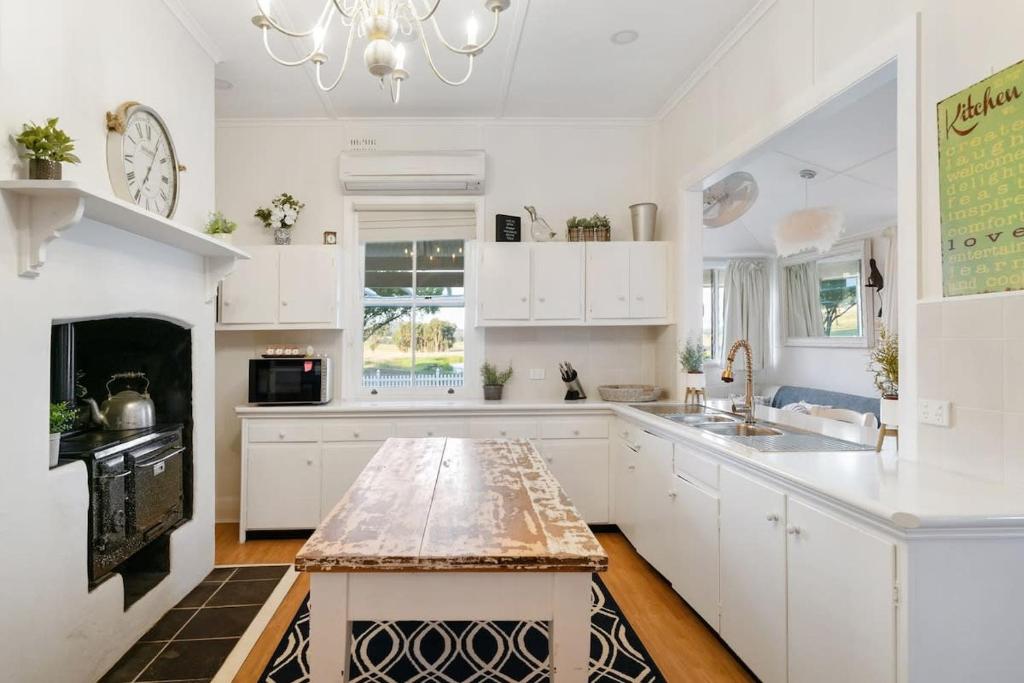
pixel 386 25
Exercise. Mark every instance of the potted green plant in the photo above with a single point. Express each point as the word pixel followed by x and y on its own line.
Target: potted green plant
pixel 691 358
pixel 62 419
pixel 602 228
pixel 46 148
pixel 494 380
pixel 574 229
pixel 280 216
pixel 885 367
pixel 220 227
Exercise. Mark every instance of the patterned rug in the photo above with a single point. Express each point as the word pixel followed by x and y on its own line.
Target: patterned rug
pixel 470 651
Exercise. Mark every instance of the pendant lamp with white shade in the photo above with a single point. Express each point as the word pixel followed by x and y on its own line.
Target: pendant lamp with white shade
pixel 809 228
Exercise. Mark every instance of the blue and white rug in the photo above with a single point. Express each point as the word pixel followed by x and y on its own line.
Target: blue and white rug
pixel 470 651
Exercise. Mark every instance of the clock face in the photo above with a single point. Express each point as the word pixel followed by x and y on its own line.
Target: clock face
pixel 149 165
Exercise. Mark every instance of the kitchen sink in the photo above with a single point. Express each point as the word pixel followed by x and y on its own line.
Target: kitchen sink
pixel 741 429
pixel 701 419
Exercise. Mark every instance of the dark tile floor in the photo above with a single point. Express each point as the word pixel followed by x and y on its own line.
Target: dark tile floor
pixel 190 643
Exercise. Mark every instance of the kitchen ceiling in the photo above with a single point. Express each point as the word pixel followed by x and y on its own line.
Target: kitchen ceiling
pixel 552 58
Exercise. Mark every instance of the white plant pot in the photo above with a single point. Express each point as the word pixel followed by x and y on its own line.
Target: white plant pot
pixel 54 449
pixel 225 237
pixel 696 380
pixel 889 411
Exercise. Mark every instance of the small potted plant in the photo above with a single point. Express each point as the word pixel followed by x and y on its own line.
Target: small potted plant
pixel 494 380
pixel 885 366
pixel 62 419
pixel 602 228
pixel 220 227
pixel 46 148
pixel 280 216
pixel 691 358
pixel 574 229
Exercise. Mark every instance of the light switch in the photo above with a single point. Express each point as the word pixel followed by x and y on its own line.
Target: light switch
pixel 931 412
pixel 536 373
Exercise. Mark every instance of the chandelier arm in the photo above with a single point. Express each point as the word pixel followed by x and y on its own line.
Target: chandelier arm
pixel 429 13
pixel 284 62
pixel 473 49
pixel 344 64
pixel 433 66
pixel 347 13
pixel 294 34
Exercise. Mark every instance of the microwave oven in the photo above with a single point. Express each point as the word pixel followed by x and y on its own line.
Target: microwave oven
pixel 289 381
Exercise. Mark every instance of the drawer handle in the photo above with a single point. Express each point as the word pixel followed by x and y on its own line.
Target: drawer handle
pixel 630 467
pixel 355 435
pixel 772 517
pixel 503 432
pixel 672 495
pixel 541 299
pixel 639 298
pixel 622 298
pixel 280 435
pixel 575 432
pixel 227 303
pixel 309 461
pixel 523 299
pixel 284 303
pixel 430 433
pixel 793 530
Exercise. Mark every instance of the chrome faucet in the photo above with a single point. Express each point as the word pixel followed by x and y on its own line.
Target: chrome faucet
pixel 727 375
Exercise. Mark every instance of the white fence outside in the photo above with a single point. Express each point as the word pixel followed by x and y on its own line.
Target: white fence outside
pixel 379 380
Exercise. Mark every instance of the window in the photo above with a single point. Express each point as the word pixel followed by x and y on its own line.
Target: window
pixel 839 290
pixel 414 315
pixel 713 302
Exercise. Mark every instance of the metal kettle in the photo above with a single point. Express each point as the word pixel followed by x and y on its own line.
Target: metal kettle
pixel 127 409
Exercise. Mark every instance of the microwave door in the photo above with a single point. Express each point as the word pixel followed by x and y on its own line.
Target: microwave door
pixel 284 381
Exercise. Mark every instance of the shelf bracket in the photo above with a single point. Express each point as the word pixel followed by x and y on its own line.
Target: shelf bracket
pixel 217 268
pixel 38 224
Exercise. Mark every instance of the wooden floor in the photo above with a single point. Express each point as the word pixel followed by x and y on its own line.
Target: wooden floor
pixel 682 645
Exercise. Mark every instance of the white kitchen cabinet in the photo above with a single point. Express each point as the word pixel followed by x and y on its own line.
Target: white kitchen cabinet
pixel 648 280
pixel 627 281
pixel 294 287
pixel 436 428
pixel 625 487
pixel 654 500
pixel 581 468
pixel 842 604
pixel 557 282
pixel 504 282
pixel 282 486
pixel 693 569
pixel 607 281
pixel 340 465
pixel 753 573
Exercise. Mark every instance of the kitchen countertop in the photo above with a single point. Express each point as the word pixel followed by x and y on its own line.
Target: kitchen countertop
pixel 902 493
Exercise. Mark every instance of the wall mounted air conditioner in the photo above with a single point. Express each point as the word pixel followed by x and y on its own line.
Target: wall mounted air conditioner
pixel 412 173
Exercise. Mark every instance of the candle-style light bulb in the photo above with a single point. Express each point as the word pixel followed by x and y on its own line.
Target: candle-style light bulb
pixel 472 29
pixel 265 6
pixel 400 56
pixel 319 34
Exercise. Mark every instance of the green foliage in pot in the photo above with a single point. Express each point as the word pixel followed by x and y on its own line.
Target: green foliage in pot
pixel 575 222
pixel 885 363
pixel 494 377
pixel 48 143
pixel 62 417
pixel 692 356
pixel 599 221
pixel 282 212
pixel 219 225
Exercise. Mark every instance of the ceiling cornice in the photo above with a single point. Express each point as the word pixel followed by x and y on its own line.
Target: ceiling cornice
pixel 734 36
pixel 194 29
pixel 327 122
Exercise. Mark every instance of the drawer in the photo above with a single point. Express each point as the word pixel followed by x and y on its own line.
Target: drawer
pixel 266 431
pixel 689 463
pixel 627 432
pixel 418 429
pixel 575 428
pixel 358 430
pixel 511 428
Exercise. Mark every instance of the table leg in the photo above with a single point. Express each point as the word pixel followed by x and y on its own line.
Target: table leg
pixel 570 628
pixel 330 631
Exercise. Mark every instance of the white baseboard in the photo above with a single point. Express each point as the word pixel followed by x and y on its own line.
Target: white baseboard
pixel 228 509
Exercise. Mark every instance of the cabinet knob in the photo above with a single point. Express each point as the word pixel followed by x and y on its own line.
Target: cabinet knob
pixel 523 299
pixel 772 517
pixel 549 459
pixel 430 433
pixel 355 435
pixel 503 432
pixel 227 303
pixel 575 432
pixel 793 530
pixel 672 495
pixel 630 467
pixel 280 435
pixel 283 302
pixel 622 297
pixel 309 461
pixel 541 299
pixel 639 298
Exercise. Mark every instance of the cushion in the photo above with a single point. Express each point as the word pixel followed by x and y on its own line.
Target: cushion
pixel 834 399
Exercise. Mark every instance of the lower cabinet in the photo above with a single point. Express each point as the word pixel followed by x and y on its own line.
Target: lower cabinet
pixel 340 465
pixel 654 501
pixel 282 483
pixel 581 467
pixel 693 570
pixel 625 487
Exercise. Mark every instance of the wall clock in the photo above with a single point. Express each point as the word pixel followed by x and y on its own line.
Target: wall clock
pixel 141 160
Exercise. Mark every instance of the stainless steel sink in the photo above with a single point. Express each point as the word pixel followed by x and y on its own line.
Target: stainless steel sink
pixel 702 419
pixel 671 410
pixel 741 429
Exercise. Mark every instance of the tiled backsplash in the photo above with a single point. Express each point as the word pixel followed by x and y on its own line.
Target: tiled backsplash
pixel 971 352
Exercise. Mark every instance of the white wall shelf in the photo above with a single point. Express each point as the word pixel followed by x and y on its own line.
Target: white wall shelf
pixel 43 209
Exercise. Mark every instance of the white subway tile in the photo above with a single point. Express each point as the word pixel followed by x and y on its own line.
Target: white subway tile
pixel 1013 447
pixel 973 373
pixel 975 444
pixel 1013 316
pixel 929 320
pixel 1013 376
pixel 931 378
pixel 973 318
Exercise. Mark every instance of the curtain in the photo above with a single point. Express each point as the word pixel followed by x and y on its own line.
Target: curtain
pixel 890 308
pixel 416 223
pixel 803 300
pixel 747 307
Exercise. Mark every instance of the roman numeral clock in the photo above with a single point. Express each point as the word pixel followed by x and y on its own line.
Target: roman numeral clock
pixel 141 161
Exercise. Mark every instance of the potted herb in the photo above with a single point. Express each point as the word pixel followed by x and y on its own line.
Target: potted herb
pixel 574 229
pixel 691 358
pixel 885 366
pixel 494 380
pixel 220 227
pixel 46 148
pixel 280 216
pixel 62 419
pixel 602 228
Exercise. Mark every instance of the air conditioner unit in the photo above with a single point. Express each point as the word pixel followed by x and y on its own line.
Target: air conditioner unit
pixel 413 173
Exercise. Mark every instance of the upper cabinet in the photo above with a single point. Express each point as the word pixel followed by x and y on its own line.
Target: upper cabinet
pixel 292 287
pixel 574 283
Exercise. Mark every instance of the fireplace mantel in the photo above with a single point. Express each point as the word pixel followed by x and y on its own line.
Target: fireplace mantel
pixel 43 209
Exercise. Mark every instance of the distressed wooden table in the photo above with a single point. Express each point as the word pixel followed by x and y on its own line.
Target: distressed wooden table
pixel 447 530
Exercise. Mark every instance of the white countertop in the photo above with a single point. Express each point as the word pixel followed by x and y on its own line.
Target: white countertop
pixel 900 493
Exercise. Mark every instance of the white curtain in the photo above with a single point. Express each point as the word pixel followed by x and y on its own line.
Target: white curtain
pixel 747 307
pixel 803 300
pixel 890 308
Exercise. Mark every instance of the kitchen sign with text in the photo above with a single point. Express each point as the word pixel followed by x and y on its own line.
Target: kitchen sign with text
pixel 981 185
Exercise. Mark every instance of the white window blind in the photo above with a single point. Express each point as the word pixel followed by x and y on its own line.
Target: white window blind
pixel 407 225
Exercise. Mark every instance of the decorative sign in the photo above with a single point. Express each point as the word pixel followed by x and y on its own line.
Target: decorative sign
pixel 981 185
pixel 509 228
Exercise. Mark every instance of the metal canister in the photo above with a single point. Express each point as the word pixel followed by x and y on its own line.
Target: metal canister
pixel 644 216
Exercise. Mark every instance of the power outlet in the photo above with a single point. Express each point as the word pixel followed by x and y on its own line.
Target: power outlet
pixel 932 412
pixel 537 373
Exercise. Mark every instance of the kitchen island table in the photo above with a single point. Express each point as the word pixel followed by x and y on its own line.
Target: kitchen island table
pixel 451 530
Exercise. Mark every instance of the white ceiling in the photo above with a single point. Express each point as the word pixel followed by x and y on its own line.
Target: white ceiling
pixel 852 146
pixel 552 58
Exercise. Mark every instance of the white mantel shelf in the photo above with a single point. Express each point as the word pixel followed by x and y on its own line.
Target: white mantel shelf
pixel 43 209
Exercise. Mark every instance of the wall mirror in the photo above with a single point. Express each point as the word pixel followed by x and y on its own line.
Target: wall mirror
pixel 824 301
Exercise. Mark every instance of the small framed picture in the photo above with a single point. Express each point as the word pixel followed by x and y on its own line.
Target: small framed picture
pixel 330 237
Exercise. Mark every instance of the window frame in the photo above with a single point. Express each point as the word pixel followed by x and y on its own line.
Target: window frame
pixel 717 271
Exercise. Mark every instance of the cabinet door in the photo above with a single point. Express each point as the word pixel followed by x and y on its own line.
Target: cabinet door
pixel 309 285
pixel 625 487
pixel 607 280
pixel 504 281
pixel 842 615
pixel 282 485
pixel 558 282
pixel 648 280
pixel 341 464
pixel 694 544
pixel 753 574
pixel 248 296
pixel 452 428
pixel 581 467
pixel 654 500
